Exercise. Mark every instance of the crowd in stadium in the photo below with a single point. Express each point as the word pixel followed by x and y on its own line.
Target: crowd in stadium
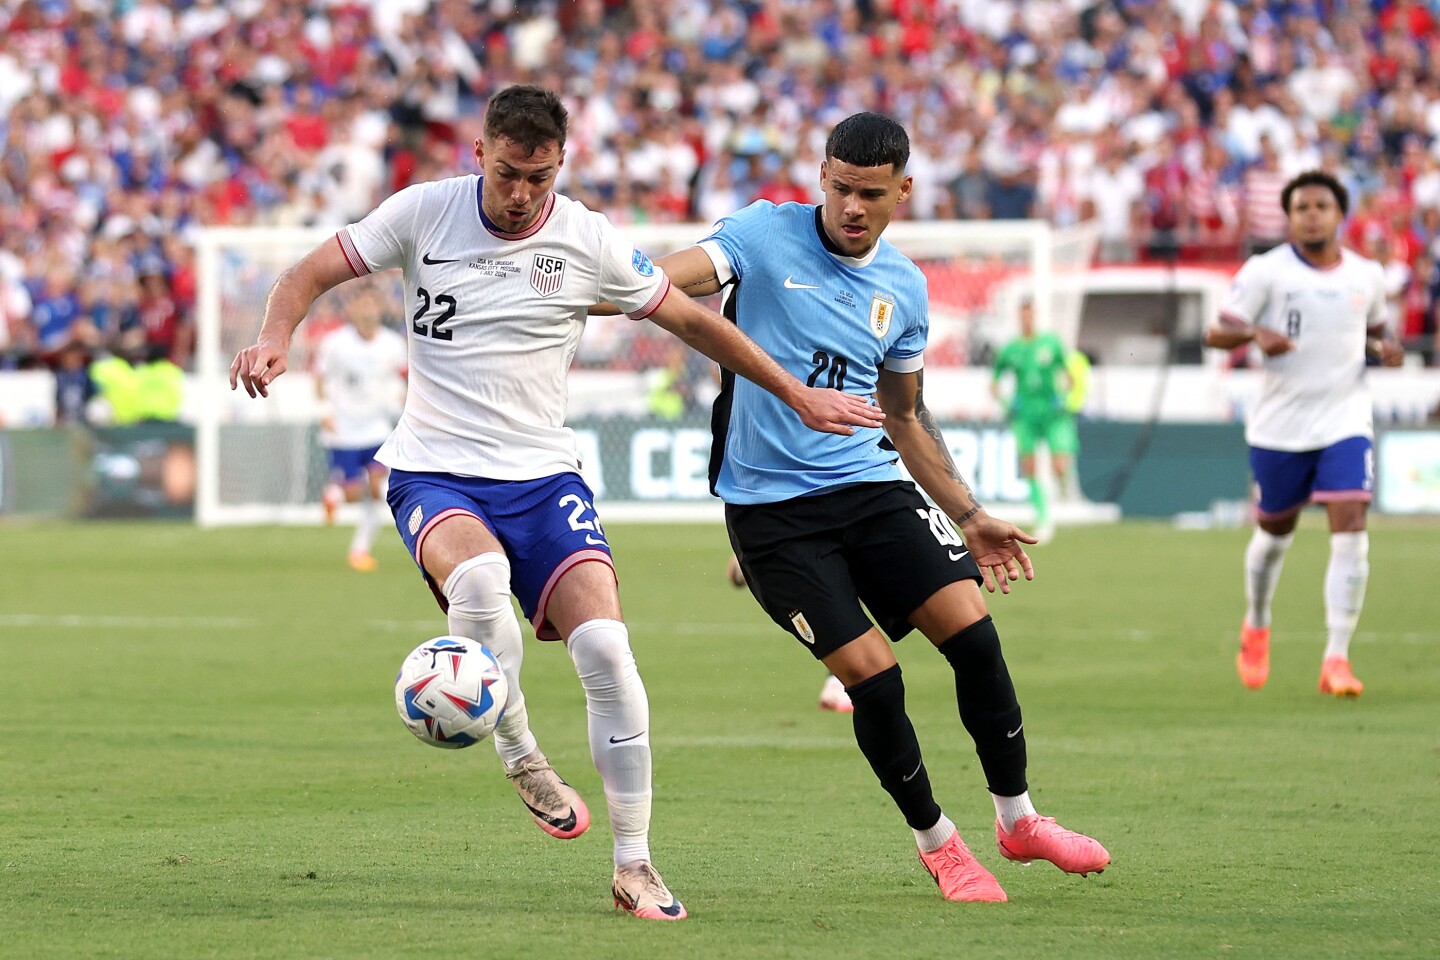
pixel 128 123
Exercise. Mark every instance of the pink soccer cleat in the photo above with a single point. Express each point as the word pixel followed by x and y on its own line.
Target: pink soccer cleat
pixel 1336 678
pixel 1041 838
pixel 555 806
pixel 1253 660
pixel 638 889
pixel 959 875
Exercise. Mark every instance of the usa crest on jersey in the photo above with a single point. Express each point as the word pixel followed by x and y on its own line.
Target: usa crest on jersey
pixel 882 311
pixel 547 274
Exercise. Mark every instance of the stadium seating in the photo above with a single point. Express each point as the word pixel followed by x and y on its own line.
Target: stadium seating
pixel 128 123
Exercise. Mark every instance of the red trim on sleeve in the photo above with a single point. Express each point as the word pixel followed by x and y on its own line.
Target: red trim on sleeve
pixel 653 303
pixel 347 247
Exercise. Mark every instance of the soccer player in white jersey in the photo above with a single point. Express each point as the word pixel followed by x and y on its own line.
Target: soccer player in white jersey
pixel 499 271
pixel 360 377
pixel 822 524
pixel 1315 310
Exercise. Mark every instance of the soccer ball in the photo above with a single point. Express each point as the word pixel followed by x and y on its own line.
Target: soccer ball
pixel 451 692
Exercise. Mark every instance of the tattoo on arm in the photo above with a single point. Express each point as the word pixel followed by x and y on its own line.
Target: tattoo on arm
pixel 927 421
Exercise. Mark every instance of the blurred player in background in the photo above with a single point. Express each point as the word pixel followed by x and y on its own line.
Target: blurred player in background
pixel 1316 311
pixel 821 524
pixel 485 483
pixel 360 376
pixel 1036 408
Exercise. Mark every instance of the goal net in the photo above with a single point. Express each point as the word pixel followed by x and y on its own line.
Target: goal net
pixel 260 461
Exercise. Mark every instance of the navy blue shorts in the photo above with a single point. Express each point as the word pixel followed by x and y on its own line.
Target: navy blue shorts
pixel 546 526
pixel 350 464
pixel 1287 479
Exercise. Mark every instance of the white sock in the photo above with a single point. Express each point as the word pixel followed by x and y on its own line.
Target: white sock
pixel 933 839
pixel 365 529
pixel 619 713
pixel 1010 809
pixel 1264 559
pixel 479 594
pixel 1345 580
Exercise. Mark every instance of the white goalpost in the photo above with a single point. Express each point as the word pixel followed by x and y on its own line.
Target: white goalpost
pixel 260 462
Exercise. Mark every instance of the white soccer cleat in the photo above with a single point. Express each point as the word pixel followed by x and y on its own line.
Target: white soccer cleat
pixel 555 806
pixel 834 697
pixel 638 889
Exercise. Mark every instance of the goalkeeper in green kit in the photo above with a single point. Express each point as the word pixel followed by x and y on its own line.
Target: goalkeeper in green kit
pixel 1036 407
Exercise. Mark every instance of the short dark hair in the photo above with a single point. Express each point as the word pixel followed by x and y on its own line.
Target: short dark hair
pixel 1317 178
pixel 527 115
pixel 869 140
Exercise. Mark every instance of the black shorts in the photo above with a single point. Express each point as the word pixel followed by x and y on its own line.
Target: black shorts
pixel 811 561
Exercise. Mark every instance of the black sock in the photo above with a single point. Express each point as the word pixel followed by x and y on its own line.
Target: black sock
pixel 887 739
pixel 988 707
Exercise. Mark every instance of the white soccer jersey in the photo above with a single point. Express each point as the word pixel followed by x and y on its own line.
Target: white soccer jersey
pixel 495 319
pixel 364 385
pixel 1316 394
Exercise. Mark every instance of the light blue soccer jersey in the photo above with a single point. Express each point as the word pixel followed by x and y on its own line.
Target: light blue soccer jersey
pixel 830 320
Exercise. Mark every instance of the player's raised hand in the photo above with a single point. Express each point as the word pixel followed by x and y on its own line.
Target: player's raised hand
pixel 831 411
pixel 1272 344
pixel 998 546
pixel 257 367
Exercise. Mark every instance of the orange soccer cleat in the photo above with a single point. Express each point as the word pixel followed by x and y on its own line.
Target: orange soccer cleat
pixel 959 875
pixel 1041 838
pixel 1253 660
pixel 1336 678
pixel 361 561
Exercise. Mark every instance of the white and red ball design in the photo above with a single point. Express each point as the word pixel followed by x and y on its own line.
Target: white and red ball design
pixel 451 692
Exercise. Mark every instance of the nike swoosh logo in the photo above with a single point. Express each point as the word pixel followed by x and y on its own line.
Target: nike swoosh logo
pixel 631 737
pixel 566 822
pixel 426 259
pixel 790 284
pixel 959 556
pixel 1011 734
pixel 913 772
pixel 671 909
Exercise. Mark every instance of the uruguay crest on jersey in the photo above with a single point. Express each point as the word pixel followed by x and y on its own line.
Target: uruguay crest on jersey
pixel 882 311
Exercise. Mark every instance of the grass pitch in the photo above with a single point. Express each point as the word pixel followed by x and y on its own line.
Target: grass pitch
pixel 199 757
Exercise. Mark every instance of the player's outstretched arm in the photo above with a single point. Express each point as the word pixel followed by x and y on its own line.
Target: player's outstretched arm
pixel 828 411
pixel 997 545
pixel 257 366
pixel 690 269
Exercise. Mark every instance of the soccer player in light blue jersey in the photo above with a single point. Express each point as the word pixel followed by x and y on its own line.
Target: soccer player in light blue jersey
pixel 823 523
